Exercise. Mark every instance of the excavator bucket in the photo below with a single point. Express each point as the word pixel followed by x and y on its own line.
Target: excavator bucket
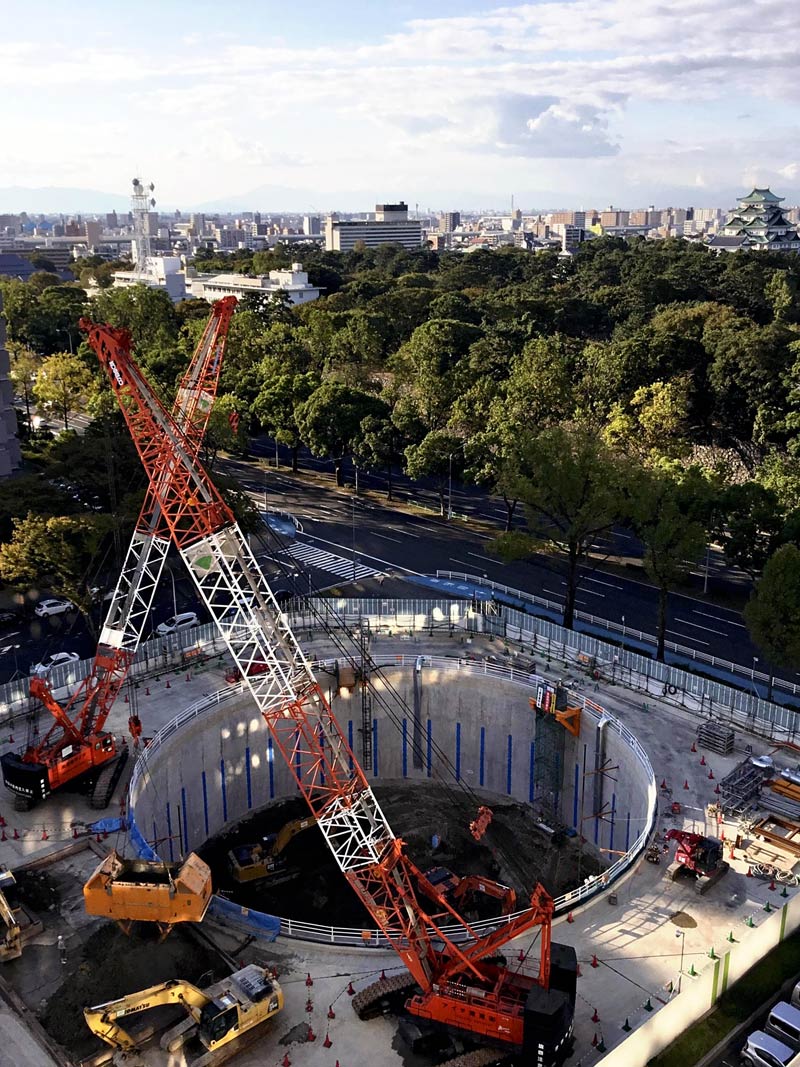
pixel 149 891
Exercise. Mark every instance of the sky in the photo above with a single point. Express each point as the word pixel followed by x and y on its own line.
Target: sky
pixel 448 105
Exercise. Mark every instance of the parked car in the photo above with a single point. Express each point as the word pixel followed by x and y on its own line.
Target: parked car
pixel 761 1050
pixel 783 1022
pixel 54 605
pixel 9 618
pixel 184 620
pixel 55 659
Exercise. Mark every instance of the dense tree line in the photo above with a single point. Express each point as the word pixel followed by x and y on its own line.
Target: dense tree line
pixel 649 383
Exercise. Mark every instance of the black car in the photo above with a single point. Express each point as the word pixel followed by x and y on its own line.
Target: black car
pixel 9 619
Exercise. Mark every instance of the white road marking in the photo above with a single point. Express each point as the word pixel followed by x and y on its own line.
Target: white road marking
pixel 488 559
pixel 696 640
pixel 463 564
pixel 716 618
pixel 552 592
pixel 611 585
pixel 397 541
pixel 327 561
pixel 687 622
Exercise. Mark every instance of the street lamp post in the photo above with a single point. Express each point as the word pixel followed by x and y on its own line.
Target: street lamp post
pixel 753 669
pixel 450 486
pixel 174 597
pixel 623 628
pixel 69 338
pixel 682 935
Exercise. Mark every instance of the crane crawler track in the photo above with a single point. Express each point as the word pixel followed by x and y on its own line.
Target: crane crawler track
pixel 369 1002
pixel 107 781
pixel 478 1057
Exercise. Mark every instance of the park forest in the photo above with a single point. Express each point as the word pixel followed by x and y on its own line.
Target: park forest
pixel 649 384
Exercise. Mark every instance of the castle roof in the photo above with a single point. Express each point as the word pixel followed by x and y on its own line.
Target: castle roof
pixel 761 196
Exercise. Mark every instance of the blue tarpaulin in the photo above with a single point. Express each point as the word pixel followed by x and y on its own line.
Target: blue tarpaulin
pixel 256 922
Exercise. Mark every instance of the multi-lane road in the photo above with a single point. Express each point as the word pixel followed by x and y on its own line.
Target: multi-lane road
pixel 340 530
pixel 346 537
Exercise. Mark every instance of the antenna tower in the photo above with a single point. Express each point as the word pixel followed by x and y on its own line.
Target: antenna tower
pixel 141 204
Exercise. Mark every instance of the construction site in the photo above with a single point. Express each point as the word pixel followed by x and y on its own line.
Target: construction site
pixel 312 838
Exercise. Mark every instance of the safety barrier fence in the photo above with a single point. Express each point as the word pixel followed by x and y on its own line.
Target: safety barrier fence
pixel 625 632
pixel 565 903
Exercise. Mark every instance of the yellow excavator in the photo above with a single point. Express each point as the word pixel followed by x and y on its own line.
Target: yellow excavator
pixel 16 925
pixel 250 863
pixel 225 1018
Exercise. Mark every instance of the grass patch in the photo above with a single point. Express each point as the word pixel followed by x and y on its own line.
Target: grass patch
pixel 760 983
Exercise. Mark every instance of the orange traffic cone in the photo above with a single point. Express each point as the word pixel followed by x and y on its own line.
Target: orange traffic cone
pixel 327 1042
pixel 309 980
pixel 594 962
pixel 686 783
pixel 570 919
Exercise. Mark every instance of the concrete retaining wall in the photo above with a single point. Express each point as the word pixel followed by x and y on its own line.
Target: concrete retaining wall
pixel 221 765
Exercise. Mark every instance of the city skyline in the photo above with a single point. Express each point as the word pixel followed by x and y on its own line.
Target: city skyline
pixel 563 104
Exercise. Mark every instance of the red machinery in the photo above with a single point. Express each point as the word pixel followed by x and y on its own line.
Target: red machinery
pixel 462 981
pixel 441 885
pixel 76 744
pixel 698 855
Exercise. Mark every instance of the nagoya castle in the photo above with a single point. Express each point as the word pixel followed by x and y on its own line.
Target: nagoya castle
pixel 757 223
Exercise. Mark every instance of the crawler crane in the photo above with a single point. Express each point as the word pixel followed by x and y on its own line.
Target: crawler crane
pixel 457 980
pixel 76 745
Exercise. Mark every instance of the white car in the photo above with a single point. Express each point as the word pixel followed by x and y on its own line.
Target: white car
pixel 55 605
pixel 55 659
pixel 183 621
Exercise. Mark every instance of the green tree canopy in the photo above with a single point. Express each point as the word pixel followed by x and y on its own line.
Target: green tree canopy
pixel 773 612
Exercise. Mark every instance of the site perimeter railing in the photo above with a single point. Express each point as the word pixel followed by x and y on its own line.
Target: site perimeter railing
pixel 624 631
pixel 352 937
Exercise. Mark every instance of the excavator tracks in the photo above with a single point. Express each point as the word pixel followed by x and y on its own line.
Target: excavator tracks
pixel 380 996
pixel 479 1057
pixel 107 781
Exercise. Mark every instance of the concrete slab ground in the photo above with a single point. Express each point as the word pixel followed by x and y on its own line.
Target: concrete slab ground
pixel 638 942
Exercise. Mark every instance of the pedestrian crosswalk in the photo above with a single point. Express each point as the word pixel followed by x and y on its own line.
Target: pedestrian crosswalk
pixel 328 561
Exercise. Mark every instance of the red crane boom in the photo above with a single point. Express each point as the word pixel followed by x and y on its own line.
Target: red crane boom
pixel 452 970
pixel 75 742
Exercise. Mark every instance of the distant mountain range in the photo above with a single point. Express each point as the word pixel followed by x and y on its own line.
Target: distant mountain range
pixel 49 200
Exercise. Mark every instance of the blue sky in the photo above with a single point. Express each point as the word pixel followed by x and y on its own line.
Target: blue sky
pixel 447 104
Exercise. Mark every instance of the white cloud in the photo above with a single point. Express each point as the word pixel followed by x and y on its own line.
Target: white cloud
pixel 548 81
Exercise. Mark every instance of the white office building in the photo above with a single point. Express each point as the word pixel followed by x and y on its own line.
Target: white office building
pixel 391 225
pixel 294 282
pixel 161 272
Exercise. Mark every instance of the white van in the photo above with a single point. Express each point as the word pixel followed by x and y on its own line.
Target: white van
pixel 783 1022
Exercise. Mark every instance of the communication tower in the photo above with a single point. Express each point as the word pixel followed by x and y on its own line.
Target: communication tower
pixel 141 204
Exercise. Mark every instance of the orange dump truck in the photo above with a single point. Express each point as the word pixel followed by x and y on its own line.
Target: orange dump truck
pixel 136 890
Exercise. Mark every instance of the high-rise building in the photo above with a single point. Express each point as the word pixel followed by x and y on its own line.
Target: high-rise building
pixel 311 225
pixel 111 221
pixel 9 443
pixel 568 218
pixel 93 231
pixel 612 217
pixel 390 226
pixel 450 221
pixel 759 223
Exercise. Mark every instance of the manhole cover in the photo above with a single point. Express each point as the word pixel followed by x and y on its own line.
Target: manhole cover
pixel 680 918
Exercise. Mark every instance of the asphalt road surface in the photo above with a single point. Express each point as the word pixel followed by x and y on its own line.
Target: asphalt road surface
pixel 348 538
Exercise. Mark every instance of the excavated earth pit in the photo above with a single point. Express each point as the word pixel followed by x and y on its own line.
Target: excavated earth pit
pixel 436 832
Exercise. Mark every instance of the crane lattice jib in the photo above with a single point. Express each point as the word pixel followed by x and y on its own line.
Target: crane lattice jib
pixel 127 614
pixel 281 681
